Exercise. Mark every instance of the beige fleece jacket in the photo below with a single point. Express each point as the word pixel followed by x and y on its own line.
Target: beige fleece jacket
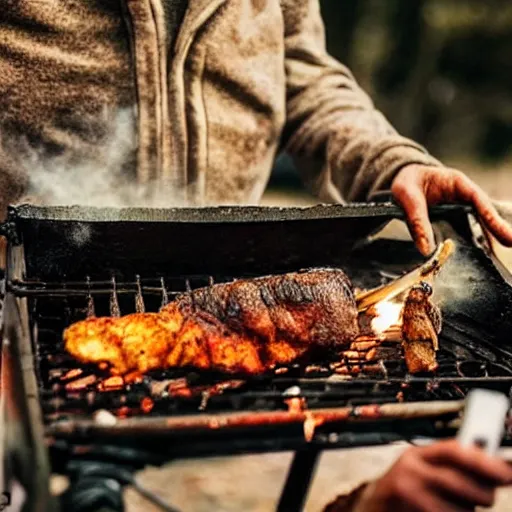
pixel 243 79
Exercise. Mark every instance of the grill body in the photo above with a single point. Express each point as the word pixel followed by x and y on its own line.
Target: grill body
pixel 64 261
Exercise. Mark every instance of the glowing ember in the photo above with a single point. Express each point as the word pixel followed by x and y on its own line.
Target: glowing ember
pixel 72 374
pixel 388 314
pixel 147 405
pixel 111 384
pixel 133 378
pixel 123 412
pixel 82 383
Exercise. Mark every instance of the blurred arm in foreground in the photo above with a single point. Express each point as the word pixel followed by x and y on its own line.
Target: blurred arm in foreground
pixel 441 477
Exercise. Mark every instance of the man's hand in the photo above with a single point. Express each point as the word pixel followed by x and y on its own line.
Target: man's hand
pixel 443 477
pixel 416 187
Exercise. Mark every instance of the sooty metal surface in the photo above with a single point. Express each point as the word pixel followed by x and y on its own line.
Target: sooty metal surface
pixel 76 242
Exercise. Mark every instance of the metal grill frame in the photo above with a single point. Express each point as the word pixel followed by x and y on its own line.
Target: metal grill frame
pixel 19 375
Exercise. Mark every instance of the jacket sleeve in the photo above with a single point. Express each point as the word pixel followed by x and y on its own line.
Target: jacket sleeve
pixel 344 148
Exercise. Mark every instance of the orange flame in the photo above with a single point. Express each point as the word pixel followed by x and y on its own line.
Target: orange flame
pixel 388 314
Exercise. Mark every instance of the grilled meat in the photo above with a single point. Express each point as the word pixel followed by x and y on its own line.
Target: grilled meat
pixel 420 328
pixel 247 326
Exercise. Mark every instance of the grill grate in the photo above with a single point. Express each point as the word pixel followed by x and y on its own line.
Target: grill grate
pixel 70 389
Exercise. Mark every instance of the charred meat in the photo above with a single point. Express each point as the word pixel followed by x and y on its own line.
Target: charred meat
pixel 421 325
pixel 246 326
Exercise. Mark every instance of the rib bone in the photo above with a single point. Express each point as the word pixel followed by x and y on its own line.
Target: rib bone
pixel 426 271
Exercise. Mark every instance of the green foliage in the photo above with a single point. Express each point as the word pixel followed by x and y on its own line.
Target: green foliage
pixel 441 70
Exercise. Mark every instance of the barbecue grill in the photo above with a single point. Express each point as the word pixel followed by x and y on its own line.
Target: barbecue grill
pixel 67 263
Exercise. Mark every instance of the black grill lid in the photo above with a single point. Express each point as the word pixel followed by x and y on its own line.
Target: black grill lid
pixel 73 242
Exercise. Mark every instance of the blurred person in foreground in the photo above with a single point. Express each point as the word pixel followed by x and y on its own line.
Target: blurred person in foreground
pixel 187 103
pixel 442 477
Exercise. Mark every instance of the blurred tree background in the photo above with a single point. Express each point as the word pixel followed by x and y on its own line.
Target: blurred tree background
pixel 441 70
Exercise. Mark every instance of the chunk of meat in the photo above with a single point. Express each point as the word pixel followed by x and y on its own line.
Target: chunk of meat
pixel 420 328
pixel 246 326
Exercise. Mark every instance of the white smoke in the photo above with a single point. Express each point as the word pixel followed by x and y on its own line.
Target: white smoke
pixel 98 179
pixel 458 280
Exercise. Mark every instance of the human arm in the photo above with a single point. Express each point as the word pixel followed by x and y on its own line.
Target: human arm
pixel 345 148
pixel 443 476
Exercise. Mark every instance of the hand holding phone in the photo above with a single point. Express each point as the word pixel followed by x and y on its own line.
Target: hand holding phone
pixel 484 420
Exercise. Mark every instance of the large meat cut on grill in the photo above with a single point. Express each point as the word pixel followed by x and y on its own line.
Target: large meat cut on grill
pixel 246 326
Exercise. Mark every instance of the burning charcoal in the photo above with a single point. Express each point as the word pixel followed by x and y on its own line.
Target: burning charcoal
pixel 353 355
pixel 82 383
pixel 371 354
pixel 373 369
pixel 147 405
pixel 361 346
pixel 56 373
pixel 111 384
pixel 205 397
pixel 281 371
pixel 316 371
pixel 354 369
pixel 133 378
pixel 178 387
pixel 159 388
pixel 123 412
pixel 72 374
pixel 342 370
pixel 348 370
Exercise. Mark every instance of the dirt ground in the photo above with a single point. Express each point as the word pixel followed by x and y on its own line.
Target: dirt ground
pixel 253 483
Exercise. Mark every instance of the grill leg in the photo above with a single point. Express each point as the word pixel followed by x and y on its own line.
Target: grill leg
pixel 299 480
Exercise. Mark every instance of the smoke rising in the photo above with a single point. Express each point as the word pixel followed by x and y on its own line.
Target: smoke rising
pixel 458 280
pixel 102 178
